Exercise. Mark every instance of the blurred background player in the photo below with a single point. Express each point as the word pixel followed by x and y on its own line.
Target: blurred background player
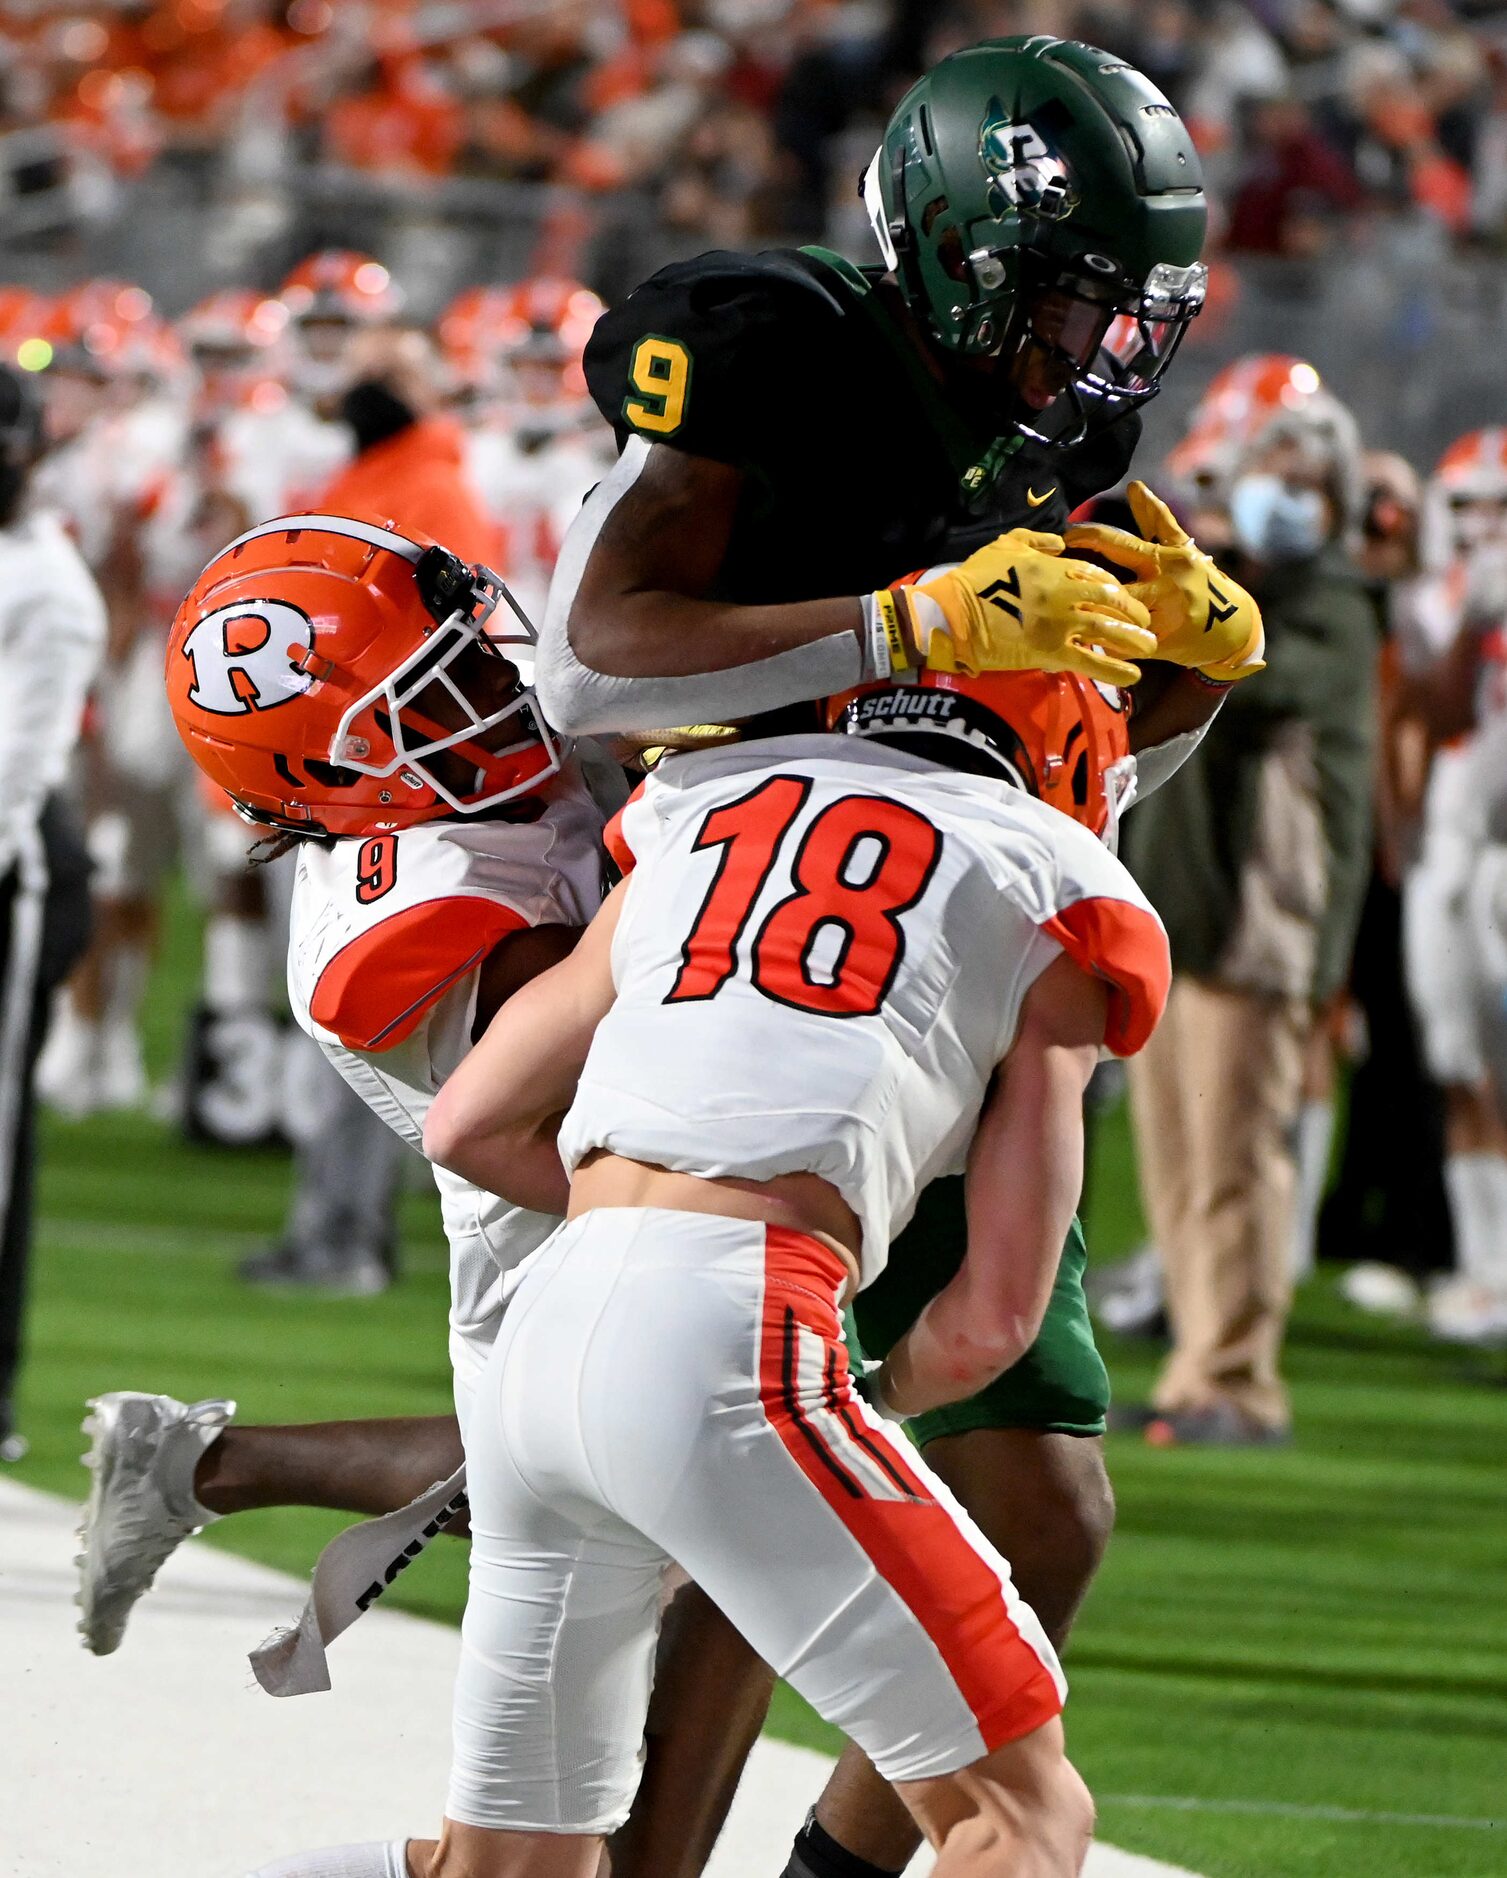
pixel 1453 675
pixel 154 814
pixel 52 637
pixel 1387 1216
pixel 536 444
pixel 406 469
pixel 1256 854
pixel 330 296
pixel 273 446
pixel 117 387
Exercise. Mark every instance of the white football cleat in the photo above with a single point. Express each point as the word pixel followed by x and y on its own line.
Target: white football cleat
pixel 121 1081
pixel 67 1073
pixel 1130 1297
pixel 1382 1290
pixel 1463 1310
pixel 141 1506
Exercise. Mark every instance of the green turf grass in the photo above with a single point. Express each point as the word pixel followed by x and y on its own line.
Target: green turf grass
pixel 1324 1626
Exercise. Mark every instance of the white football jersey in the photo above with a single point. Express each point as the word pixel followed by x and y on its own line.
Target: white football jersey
pixel 105 476
pixel 386 942
pixel 846 933
pixel 280 457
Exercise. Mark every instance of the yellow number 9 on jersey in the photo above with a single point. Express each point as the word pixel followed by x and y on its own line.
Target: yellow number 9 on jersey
pixel 661 370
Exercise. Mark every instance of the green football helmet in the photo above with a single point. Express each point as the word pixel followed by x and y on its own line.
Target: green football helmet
pixel 1041 206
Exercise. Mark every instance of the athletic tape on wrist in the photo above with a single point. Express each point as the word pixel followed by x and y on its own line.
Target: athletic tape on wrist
pixel 351 1573
pixel 926 617
pixel 886 651
pixel 878 661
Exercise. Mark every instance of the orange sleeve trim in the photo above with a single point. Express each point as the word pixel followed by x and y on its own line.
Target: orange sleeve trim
pixel 1127 947
pixel 616 842
pixel 375 990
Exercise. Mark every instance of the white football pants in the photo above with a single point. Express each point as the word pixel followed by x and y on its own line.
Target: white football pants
pixel 673 1386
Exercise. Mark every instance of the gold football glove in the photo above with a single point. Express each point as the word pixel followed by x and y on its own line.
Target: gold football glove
pixel 1200 616
pixel 1020 605
pixel 648 747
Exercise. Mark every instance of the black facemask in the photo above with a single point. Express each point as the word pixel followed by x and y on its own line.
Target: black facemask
pixel 374 412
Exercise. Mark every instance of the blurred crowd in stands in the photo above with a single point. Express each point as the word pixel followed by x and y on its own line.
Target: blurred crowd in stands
pixel 740 117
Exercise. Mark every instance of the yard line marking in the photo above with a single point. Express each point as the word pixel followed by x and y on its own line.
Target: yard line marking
pixel 421 1254
pixel 1290 1809
pixel 99 1235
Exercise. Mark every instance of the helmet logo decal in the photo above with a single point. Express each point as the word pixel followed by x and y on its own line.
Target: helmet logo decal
pixel 243 657
pixel 1023 174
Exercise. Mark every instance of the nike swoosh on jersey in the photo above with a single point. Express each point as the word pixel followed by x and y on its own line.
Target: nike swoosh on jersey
pixel 1037 500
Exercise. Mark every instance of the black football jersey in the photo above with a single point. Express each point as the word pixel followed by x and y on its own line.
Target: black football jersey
pixel 857 469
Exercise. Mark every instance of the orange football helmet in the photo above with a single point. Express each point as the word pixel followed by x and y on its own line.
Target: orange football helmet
pixel 1062 738
pixel 235 320
pixel 1465 500
pixel 545 321
pixel 104 329
pixel 335 677
pixel 1235 407
pixel 339 284
pixel 551 318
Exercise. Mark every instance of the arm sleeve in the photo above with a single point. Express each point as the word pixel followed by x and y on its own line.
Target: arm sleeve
pixel 581 701
pixel 680 362
pixel 1159 762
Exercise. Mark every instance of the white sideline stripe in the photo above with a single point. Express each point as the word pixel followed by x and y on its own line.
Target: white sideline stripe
pixel 166 1758
pixel 83 1234
pixel 1290 1809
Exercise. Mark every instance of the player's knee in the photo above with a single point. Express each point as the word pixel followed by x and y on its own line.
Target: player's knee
pixel 1073 1523
pixel 1088 1516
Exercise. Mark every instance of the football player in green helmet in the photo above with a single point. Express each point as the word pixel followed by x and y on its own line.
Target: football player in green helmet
pixel 795 433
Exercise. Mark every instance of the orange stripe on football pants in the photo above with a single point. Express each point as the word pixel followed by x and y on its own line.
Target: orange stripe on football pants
pixel 866 1478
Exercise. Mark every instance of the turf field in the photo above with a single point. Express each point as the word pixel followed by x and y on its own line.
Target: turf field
pixel 1294 1662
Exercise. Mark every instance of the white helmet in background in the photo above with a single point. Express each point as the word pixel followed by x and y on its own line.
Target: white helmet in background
pixel 1465 500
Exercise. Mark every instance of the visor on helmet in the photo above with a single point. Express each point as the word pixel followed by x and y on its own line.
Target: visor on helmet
pixel 1079 347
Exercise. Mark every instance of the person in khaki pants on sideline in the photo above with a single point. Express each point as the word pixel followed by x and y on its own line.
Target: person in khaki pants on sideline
pixel 1255 854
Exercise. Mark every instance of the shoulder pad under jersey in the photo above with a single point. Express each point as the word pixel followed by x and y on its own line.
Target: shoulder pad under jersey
pixel 386 927
pixel 707 352
pixel 1110 930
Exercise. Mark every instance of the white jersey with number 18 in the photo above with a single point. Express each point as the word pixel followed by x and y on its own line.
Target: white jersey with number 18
pixel 822 958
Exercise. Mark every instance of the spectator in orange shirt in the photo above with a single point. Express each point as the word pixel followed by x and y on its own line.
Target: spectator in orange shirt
pixel 402 122
pixel 409 467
